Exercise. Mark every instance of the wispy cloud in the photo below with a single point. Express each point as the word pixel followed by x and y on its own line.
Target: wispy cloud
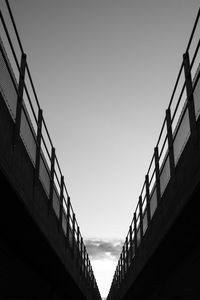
pixel 103 249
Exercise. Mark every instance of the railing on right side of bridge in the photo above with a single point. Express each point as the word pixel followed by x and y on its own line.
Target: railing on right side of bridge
pixel 22 102
pixel 179 124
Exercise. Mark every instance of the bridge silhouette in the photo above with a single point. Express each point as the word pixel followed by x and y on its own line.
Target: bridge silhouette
pixel 42 252
pixel 160 257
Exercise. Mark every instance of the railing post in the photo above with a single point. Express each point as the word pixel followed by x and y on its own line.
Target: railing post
pixel 190 97
pixel 84 265
pixel 135 233
pixel 141 217
pixel 73 234
pixel 118 276
pixel 123 262
pixel 148 199
pixel 81 255
pixel 87 269
pixel 61 202
pixel 121 269
pixel 78 243
pixel 38 148
pixel 158 192
pixel 127 255
pixel 20 99
pixel 170 143
pixel 68 220
pixel 52 178
pixel 131 243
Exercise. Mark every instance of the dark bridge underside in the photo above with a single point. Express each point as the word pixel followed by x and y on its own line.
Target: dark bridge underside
pixel 173 271
pixel 167 265
pixel 29 267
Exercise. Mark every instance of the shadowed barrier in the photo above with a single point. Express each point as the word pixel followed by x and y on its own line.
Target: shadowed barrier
pixel 178 129
pixel 37 174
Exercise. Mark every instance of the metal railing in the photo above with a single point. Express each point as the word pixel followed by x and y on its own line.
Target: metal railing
pixel 22 102
pixel 179 125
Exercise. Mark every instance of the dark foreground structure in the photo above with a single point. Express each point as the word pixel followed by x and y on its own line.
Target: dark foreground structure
pixel 161 254
pixel 42 254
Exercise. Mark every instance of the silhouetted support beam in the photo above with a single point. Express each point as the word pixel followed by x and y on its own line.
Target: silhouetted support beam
pixel 127 254
pixel 61 202
pixel 87 269
pixel 124 261
pixel 120 268
pixel 118 277
pixel 170 143
pixel 52 177
pixel 73 235
pixel 81 255
pixel 141 217
pixel 84 259
pixel 20 99
pixel 68 221
pixel 156 157
pixel 78 243
pixel 190 97
pixel 131 242
pixel 135 231
pixel 148 199
pixel 39 137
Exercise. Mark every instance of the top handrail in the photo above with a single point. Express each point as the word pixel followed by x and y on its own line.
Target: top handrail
pixel 14 26
pixel 193 31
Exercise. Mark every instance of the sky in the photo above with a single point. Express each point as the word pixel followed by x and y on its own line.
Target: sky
pixel 104 71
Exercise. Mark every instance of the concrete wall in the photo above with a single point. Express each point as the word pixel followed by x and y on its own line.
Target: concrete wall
pixel 36 260
pixel 167 263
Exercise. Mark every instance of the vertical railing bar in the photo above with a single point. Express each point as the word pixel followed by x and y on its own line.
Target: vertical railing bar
pixel 61 201
pixel 141 218
pixel 73 235
pixel 52 177
pixel 148 200
pixel 131 243
pixel 68 221
pixel 190 97
pixel 135 232
pixel 170 143
pixel 158 191
pixel 81 255
pixel 38 148
pixel 19 99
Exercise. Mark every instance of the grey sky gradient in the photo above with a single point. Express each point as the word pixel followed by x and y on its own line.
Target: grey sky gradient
pixel 104 249
pixel 104 71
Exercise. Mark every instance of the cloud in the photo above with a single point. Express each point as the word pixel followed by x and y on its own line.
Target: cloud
pixel 103 249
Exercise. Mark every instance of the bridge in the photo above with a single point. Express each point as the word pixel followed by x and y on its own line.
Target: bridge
pixel 160 258
pixel 42 252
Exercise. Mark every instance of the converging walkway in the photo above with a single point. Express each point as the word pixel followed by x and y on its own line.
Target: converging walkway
pixel 42 252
